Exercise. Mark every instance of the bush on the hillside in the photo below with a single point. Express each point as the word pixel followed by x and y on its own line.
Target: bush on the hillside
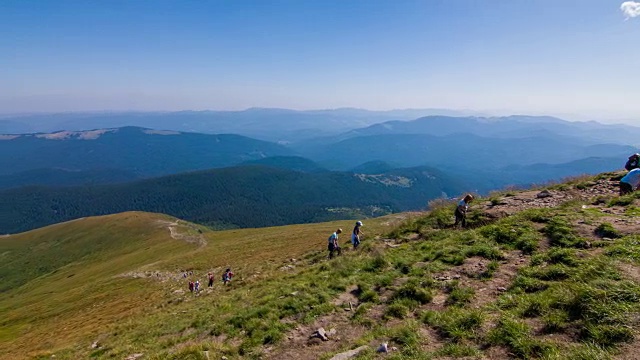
pixel 460 296
pixel 562 234
pixel 562 256
pixel 528 284
pixel 413 291
pixel 454 323
pixel 397 310
pixel 377 264
pixel 606 230
pixel 537 215
pixel 517 336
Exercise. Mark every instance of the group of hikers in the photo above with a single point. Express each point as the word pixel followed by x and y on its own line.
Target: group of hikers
pixel 628 184
pixel 194 286
pixel 356 234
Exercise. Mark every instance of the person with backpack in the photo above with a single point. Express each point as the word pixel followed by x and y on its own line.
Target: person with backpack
pixel 191 285
pixel 461 210
pixel 333 244
pixel 633 162
pixel 210 279
pixel 630 182
pixel 355 235
pixel 226 277
pixel 197 286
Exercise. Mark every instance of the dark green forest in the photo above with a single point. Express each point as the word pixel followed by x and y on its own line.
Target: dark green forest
pixel 246 196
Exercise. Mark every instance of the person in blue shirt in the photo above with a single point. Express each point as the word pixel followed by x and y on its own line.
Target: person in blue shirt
pixel 630 182
pixel 461 210
pixel 333 243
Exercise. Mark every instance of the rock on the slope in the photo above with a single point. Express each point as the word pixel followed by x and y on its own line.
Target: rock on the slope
pixel 544 194
pixel 134 356
pixel 349 354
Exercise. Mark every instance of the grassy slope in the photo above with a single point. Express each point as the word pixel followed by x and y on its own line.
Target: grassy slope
pixel 558 280
pixel 63 289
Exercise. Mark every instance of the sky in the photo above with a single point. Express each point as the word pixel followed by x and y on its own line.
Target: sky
pixel 571 58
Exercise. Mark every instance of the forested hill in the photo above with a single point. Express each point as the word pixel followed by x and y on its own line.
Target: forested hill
pixel 246 196
pixel 144 152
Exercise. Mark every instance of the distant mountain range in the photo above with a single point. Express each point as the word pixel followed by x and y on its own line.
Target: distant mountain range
pixel 246 196
pixel 261 123
pixel 466 151
pixel 142 152
pixel 350 172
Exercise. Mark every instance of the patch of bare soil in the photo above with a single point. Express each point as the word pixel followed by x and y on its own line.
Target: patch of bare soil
pixel 630 351
pixel 469 275
pixel 299 345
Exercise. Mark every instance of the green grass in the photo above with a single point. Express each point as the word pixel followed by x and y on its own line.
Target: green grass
pixel 285 282
pixel 607 230
pixel 455 323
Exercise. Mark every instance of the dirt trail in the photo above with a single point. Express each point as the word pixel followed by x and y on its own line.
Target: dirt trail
pixel 177 235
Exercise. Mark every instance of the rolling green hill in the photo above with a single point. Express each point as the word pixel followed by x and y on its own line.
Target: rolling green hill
pixel 532 277
pixel 246 196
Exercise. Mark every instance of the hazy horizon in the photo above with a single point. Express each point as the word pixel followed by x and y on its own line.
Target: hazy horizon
pixel 570 59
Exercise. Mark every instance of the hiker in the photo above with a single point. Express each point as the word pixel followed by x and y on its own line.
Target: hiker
pixel 333 244
pixel 461 210
pixel 633 162
pixel 191 286
pixel 355 236
pixel 630 182
pixel 210 279
pixel 197 286
pixel 226 277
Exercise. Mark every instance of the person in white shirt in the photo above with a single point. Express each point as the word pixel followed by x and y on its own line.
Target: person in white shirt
pixel 630 182
pixel 461 210
pixel 333 243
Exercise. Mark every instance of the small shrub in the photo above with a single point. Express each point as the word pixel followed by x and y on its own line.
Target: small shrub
pixel 535 307
pixel 536 215
pixel 562 234
pixel 550 273
pixel 485 251
pixel 368 296
pixel 406 335
pixel 607 230
pixel 527 243
pixel 528 285
pixel 377 264
pixel 411 291
pixel 621 200
pixel 563 256
pixel 403 267
pixel 606 335
pixel 396 310
pixel 454 323
pixel 460 296
pixel 517 337
pixel 555 321
pixel 456 350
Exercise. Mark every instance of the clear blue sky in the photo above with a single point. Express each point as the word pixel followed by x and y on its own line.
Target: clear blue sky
pixel 535 56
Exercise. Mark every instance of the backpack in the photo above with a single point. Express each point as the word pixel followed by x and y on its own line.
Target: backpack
pixel 633 162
